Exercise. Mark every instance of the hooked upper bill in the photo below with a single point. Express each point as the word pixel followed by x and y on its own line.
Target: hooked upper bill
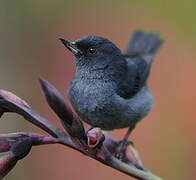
pixel 71 46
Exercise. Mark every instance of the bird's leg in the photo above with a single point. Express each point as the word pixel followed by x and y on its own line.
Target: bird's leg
pixel 120 150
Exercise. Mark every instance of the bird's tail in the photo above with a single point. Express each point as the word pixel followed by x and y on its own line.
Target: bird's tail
pixel 142 43
pixel 140 50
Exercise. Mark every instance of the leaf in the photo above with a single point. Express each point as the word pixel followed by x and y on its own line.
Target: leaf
pixel 9 102
pixel 69 120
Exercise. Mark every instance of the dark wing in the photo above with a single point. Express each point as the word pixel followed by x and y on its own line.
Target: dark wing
pixel 139 54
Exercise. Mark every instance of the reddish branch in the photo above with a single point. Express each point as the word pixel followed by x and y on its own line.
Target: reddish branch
pixel 93 143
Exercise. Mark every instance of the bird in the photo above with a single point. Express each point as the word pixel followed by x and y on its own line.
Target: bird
pixel 110 89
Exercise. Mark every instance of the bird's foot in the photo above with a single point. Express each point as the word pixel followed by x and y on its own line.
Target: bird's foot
pixel 121 149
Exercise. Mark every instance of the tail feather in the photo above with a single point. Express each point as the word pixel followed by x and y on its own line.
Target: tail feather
pixel 142 43
pixel 140 51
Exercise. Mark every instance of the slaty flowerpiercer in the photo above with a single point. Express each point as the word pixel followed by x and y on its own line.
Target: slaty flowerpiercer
pixel 109 89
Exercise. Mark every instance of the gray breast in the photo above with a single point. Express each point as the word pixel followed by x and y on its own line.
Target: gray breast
pixel 100 106
pixel 92 99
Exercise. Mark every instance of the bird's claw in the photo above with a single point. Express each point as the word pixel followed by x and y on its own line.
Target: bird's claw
pixel 121 148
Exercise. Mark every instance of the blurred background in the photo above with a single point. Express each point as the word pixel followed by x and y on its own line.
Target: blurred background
pixel 29 48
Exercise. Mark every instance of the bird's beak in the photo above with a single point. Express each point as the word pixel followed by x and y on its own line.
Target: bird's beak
pixel 71 46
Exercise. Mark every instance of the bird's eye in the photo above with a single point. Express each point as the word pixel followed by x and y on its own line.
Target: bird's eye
pixel 92 50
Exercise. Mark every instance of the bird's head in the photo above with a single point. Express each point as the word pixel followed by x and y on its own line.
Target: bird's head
pixel 93 52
